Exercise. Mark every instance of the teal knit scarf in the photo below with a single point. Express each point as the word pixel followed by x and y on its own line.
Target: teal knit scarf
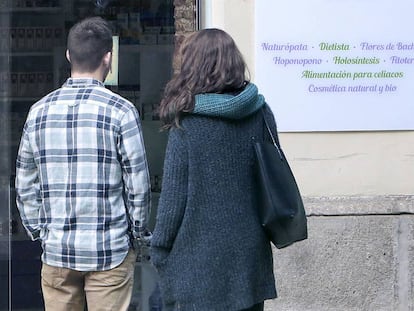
pixel 229 106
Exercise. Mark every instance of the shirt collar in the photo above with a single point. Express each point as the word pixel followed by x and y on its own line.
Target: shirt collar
pixel 82 82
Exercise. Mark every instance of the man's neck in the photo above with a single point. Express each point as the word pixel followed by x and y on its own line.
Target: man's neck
pixel 97 75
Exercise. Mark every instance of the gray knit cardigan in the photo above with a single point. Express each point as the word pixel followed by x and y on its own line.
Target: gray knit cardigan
pixel 208 245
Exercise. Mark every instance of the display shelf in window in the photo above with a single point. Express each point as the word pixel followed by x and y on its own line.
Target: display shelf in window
pixel 27 85
pixel 37 27
pixel 48 10
pixel 24 99
pixel 24 54
pixel 29 6
pixel 32 39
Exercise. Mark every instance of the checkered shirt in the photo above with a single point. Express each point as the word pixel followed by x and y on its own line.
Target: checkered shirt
pixel 82 181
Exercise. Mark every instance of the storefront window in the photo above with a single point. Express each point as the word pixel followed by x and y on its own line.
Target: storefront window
pixel 32 63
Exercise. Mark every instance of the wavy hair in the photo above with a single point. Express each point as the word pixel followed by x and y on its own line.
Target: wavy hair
pixel 210 63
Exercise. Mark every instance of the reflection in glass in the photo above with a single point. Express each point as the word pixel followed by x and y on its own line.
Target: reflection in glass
pixel 32 63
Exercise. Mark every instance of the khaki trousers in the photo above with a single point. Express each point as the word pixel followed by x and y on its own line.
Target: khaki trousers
pixel 65 289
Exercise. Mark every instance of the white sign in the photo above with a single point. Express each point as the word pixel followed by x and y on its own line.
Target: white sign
pixel 330 65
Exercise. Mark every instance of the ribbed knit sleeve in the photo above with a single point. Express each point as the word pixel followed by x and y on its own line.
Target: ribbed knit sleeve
pixel 173 198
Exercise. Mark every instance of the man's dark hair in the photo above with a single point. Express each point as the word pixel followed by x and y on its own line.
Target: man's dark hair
pixel 88 41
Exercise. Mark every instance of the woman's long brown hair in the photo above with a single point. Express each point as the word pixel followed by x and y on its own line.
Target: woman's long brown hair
pixel 210 63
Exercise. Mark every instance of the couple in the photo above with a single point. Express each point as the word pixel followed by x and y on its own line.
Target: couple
pixel 83 187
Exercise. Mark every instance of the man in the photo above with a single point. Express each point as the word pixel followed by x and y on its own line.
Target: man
pixel 82 181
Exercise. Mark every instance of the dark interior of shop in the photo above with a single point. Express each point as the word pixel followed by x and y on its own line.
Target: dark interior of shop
pixel 32 58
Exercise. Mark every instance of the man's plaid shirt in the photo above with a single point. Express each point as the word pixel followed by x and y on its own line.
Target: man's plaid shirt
pixel 82 179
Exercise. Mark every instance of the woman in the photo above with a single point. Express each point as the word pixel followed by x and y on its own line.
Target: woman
pixel 208 245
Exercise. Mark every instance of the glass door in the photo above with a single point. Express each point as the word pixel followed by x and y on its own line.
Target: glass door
pixel 32 63
pixel 5 157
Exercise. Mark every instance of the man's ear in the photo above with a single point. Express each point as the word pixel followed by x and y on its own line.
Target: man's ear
pixel 107 59
pixel 67 56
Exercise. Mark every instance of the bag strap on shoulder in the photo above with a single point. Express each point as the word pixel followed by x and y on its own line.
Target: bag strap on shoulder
pixel 275 142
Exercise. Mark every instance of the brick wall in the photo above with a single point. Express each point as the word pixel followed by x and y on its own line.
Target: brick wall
pixel 185 22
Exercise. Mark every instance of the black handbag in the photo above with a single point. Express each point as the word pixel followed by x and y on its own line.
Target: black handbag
pixel 280 205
